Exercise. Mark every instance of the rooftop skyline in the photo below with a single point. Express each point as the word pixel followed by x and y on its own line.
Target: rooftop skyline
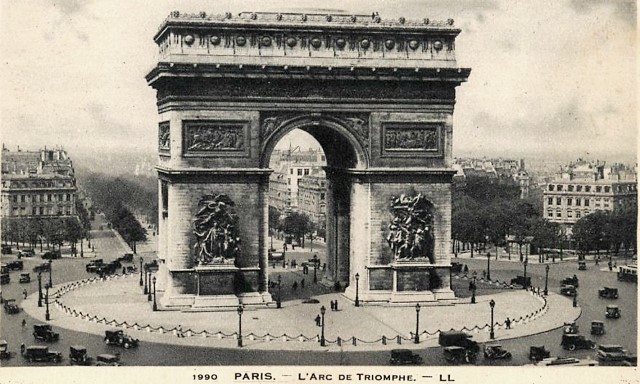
pixel 554 79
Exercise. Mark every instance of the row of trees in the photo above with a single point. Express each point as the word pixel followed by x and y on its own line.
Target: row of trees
pixel 609 231
pixel 296 224
pixel 126 224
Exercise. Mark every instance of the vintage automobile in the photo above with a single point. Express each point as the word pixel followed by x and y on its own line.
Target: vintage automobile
pixel 4 268
pixel 608 353
pixel 456 267
pixel 570 328
pixel 78 355
pixel 27 253
pixel 628 273
pixel 44 332
pixel 573 342
pixel 582 265
pixel 11 307
pixel 538 353
pixel 496 352
pixel 597 327
pixel 5 278
pixel 570 281
pixel 41 353
pixel 151 266
pixel 613 312
pixel 106 359
pixel 120 339
pixel 107 269
pixel 6 250
pixel 126 258
pixel 459 355
pixel 520 280
pixel 51 255
pixel 404 357
pixel 25 278
pixel 567 290
pixel 608 293
pixel 4 350
pixel 93 265
pixel 15 265
pixel 276 256
pixel 44 267
pixel 458 339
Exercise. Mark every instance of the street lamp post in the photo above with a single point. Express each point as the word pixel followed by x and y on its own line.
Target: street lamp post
pixel 417 336
pixel 149 290
pixel 488 266
pixel 50 267
pixel 492 304
pixel 524 283
pixel 145 282
pixel 546 280
pixel 141 271
pixel 40 289
pixel 279 302
pixel 357 297
pixel 322 340
pixel 155 303
pixel 46 314
pixel 240 310
pixel 315 272
pixel 473 288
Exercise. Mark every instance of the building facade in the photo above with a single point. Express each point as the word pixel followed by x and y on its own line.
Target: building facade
pixel 586 187
pixel 312 191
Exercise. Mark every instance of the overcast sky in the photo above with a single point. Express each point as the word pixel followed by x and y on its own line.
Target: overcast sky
pixel 546 76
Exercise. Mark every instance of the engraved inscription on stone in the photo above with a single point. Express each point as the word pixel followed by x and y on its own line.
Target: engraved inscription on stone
pixel 414 138
pixel 164 137
pixel 213 136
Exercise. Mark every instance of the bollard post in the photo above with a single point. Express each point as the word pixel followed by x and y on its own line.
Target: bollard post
pixel 339 341
pixel 384 340
pixel 354 341
pixel 399 339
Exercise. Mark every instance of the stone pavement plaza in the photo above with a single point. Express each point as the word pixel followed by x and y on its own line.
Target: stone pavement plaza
pixel 120 299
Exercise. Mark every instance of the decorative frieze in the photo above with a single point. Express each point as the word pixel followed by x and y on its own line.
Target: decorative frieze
pixel 164 137
pixel 411 230
pixel 202 137
pixel 215 229
pixel 408 138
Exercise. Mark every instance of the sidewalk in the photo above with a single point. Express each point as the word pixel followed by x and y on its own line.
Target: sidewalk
pixel 119 301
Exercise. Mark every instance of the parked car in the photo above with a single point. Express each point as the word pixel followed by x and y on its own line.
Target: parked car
pixel 613 312
pixel 41 353
pixel 5 278
pixel 151 266
pixel 496 352
pixel 567 290
pixel 582 265
pixel 51 255
pixel 571 281
pixel 106 359
pixel 78 355
pixel 127 258
pixel 570 328
pixel 404 357
pixel 538 353
pixel 44 332
pixel 608 353
pixel 6 250
pixel 521 280
pixel 573 342
pixel 608 293
pixel 15 265
pixel 120 339
pixel 458 339
pixel 459 355
pixel 25 278
pixel 4 350
pixel 107 269
pixel 11 307
pixel 597 327
pixel 44 267
pixel 456 267
pixel 27 253
pixel 93 265
pixel 4 268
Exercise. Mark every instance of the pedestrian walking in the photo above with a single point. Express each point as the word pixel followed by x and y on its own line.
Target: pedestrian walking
pixel 465 269
pixel 318 320
pixel 179 331
pixel 335 305
pixel 22 348
pixel 302 283
pixel 124 270
pixel 508 323
pixel 294 286
pixel 332 307
pixel 24 323
pixel 24 293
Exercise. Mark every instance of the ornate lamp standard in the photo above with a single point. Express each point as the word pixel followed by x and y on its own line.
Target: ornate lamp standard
pixel 141 271
pixel 279 301
pixel 546 280
pixel 46 314
pixel 417 336
pixel 149 290
pixel 145 282
pixel 524 283
pixel 240 310
pixel 473 288
pixel 322 340
pixel 489 266
pixel 492 304
pixel 357 297
pixel 155 303
pixel 50 281
pixel 40 289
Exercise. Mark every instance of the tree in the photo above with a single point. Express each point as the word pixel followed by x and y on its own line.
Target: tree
pixel 274 218
pixel 297 224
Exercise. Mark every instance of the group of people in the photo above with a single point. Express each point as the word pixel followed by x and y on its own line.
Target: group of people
pixel 334 307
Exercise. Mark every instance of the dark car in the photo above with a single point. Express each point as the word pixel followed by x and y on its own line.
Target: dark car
pixel 458 339
pixel 93 265
pixel 609 353
pixel 496 352
pixel 538 353
pixel 120 339
pixel 27 253
pixel 43 332
pixel 11 307
pixel 521 280
pixel 15 265
pixel 25 278
pixel 4 350
pixel 571 281
pixel 78 355
pixel 573 342
pixel 107 269
pixel 151 266
pixel 41 353
pixel 570 328
pixel 127 258
pixel 44 267
pixel 608 293
pixel 597 327
pixel 456 267
pixel 6 250
pixel 582 266
pixel 404 357
pixel 459 355
pixel 51 255
pixel 5 278
pixel 107 359
pixel 568 290
pixel 613 312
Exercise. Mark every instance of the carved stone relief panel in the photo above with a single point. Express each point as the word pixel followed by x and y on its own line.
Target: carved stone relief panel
pixel 213 138
pixel 164 138
pixel 412 139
